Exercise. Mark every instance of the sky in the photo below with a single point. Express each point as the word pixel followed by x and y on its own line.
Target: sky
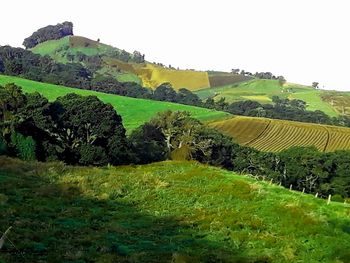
pixel 303 40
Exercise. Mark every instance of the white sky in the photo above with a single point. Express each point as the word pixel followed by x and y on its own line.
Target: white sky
pixel 304 40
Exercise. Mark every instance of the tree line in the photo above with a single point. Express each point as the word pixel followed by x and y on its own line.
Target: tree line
pixel 85 131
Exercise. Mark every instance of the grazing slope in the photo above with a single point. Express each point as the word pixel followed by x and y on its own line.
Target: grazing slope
pixel 277 135
pixel 262 90
pixel 134 111
pixel 163 212
pixel 147 74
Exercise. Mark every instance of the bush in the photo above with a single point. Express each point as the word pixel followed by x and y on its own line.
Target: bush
pixel 3 148
pixel 24 146
pixel 337 198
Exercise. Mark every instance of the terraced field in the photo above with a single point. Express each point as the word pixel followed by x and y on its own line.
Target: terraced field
pixel 276 135
pixel 134 111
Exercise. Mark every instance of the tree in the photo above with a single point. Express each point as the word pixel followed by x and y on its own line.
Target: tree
pixel 281 80
pixel 315 85
pixel 48 33
pixel 148 144
pixel 165 92
pixel 82 121
pixel 185 96
pixel 178 129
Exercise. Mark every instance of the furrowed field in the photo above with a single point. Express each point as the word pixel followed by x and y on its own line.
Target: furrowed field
pixel 134 111
pixel 162 212
pixel 277 135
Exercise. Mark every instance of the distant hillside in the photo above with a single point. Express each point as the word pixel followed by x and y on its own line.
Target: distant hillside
pixel 125 67
pixel 162 212
pixel 277 135
pixel 262 90
pixel 134 111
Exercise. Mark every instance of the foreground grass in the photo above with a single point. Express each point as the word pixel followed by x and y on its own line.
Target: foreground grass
pixel 162 212
pixel 134 111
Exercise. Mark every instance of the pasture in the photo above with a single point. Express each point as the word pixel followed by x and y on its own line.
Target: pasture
pixel 263 90
pixel 162 212
pixel 134 112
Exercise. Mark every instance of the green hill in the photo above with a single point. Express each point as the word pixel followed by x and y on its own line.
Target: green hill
pixel 162 212
pixel 262 91
pixel 134 111
pixel 123 66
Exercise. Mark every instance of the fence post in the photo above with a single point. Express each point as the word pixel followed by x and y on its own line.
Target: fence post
pixel 329 199
pixel 291 187
pixel 303 190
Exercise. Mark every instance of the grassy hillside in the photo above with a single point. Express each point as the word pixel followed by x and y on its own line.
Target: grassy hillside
pixel 277 135
pixel 163 212
pixel 263 90
pixel 134 111
pixel 150 75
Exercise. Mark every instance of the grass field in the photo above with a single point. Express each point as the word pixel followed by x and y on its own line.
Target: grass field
pixel 134 111
pixel 162 212
pixel 277 135
pixel 263 90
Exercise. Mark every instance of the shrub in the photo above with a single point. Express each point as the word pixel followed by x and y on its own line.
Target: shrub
pixel 24 146
pixel 337 198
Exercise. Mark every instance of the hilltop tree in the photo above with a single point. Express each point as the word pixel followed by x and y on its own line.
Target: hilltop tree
pixel 48 33
pixel 315 84
pixel 281 80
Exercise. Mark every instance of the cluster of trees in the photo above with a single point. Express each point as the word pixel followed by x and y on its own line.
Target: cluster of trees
pixel 125 56
pixel 259 75
pixel 49 33
pixel 85 131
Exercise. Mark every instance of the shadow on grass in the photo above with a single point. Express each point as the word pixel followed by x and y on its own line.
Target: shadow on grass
pixel 58 223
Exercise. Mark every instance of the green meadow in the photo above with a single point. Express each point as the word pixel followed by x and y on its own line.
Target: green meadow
pixel 133 111
pixel 162 212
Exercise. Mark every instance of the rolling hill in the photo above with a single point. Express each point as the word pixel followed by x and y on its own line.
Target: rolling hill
pixel 262 90
pixel 133 111
pixel 162 212
pixel 276 135
pixel 70 48
pixel 233 87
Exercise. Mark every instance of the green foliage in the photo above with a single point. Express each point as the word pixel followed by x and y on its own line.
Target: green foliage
pixel 337 198
pixel 148 144
pixel 25 147
pixel 3 147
